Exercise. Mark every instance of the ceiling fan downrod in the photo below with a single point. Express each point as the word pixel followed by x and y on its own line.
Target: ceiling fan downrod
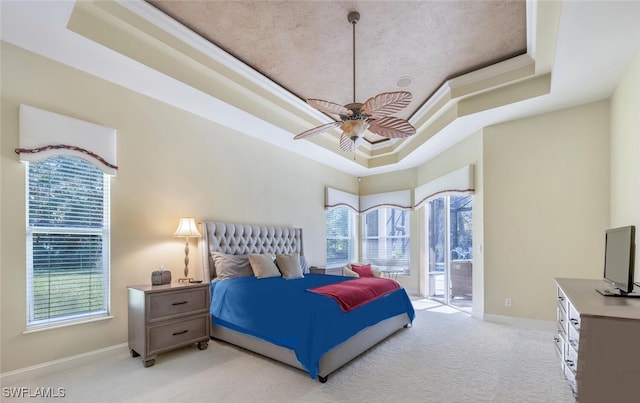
pixel 353 19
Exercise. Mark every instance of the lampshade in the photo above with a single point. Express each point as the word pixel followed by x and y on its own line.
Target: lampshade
pixel 187 228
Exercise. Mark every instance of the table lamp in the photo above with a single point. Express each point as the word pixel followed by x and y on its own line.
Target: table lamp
pixel 187 228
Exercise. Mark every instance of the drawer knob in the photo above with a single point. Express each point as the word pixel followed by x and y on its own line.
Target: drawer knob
pixel 574 321
pixel 179 333
pixel 180 303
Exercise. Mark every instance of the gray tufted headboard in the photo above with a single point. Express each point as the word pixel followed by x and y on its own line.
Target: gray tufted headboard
pixel 241 239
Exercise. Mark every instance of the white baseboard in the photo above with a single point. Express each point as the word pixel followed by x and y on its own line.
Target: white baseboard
pixel 546 325
pixel 51 367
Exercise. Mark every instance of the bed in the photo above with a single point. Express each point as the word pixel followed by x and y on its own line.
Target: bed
pixel 285 319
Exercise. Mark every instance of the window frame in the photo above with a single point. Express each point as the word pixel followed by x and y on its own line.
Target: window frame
pixel 103 233
pixel 350 238
pixel 400 264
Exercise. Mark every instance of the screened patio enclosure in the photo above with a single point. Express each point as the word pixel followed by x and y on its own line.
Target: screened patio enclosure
pixel 450 253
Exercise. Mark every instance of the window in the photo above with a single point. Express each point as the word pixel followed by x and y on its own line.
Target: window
pixel 340 236
pixel 386 238
pixel 67 241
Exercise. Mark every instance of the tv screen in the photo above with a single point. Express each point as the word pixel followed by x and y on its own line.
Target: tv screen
pixel 619 258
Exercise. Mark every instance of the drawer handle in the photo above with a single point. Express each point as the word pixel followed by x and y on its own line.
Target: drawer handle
pixel 179 333
pixel 180 303
pixel 574 321
pixel 561 299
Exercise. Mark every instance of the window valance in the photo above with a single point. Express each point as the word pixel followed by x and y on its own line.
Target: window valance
pixel 337 198
pixel 44 134
pixel 362 204
pixel 398 200
pixel 459 181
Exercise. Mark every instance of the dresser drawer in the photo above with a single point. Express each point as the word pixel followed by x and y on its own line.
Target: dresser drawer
pixel 574 317
pixel 165 305
pixel 559 342
pixel 562 300
pixel 176 333
pixel 571 359
pixel 562 318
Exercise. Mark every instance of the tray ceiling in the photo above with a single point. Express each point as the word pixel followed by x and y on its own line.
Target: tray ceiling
pixel 307 47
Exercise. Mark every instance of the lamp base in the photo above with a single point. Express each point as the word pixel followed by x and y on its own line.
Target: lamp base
pixel 185 280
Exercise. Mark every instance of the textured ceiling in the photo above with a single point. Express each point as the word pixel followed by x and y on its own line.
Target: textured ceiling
pixel 306 46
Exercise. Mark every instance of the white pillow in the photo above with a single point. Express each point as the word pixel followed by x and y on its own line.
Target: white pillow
pixel 289 265
pixel 346 271
pixel 263 266
pixel 231 266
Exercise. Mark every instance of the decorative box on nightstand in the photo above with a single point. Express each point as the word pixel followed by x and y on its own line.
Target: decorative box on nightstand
pixel 165 317
pixel 336 271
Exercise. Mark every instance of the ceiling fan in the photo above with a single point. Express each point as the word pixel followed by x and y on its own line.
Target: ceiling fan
pixel 373 115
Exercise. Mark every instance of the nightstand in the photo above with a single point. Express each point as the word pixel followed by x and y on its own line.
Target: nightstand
pixel 165 317
pixel 336 271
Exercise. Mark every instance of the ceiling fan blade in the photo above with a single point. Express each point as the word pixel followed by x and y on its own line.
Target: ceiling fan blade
pixel 329 107
pixel 386 104
pixel 391 127
pixel 317 130
pixel 346 144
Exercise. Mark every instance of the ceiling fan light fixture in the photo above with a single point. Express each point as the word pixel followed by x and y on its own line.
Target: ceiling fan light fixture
pixel 354 129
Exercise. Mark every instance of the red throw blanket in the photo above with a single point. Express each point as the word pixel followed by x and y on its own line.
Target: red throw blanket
pixel 351 294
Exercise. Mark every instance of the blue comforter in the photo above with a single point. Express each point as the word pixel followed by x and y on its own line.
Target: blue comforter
pixel 284 313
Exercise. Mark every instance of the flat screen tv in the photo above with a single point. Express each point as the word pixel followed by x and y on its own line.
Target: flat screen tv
pixel 619 261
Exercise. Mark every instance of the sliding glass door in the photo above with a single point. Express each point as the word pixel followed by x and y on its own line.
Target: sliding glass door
pixel 450 250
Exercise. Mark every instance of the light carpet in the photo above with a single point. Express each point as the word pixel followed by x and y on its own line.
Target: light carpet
pixel 447 356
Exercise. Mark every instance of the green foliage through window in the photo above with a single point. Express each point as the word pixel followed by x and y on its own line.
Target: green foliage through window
pixel 340 236
pixel 67 240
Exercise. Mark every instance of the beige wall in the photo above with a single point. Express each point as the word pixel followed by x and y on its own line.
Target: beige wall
pixel 546 187
pixel 625 153
pixel 172 164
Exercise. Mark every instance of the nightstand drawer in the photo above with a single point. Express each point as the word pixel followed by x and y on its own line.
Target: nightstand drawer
pixel 167 304
pixel 173 334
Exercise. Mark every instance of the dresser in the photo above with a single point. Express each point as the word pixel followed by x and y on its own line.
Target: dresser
pixel 598 341
pixel 165 317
